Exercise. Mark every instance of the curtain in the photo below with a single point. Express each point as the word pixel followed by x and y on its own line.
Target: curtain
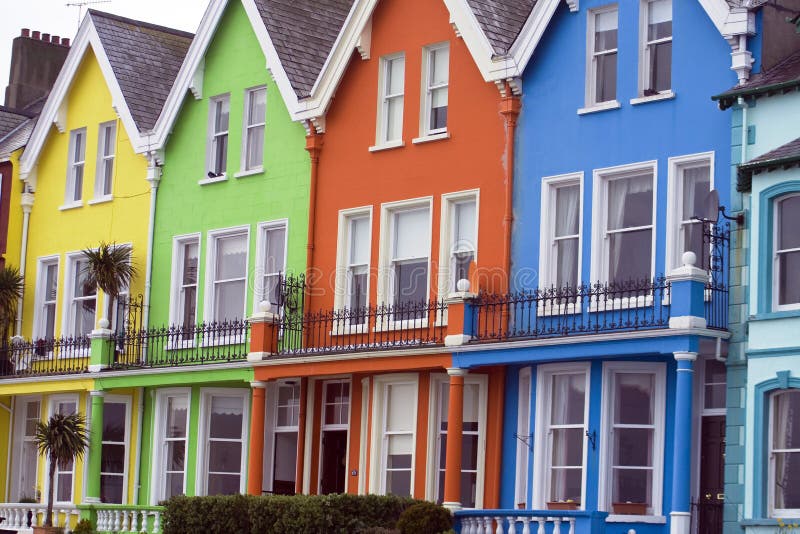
pixel 630 204
pixel 567 218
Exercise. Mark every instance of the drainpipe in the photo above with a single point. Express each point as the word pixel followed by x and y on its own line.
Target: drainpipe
pixel 314 142
pixel 744 107
pixel 27 205
pixel 137 464
pixel 510 106
pixel 154 177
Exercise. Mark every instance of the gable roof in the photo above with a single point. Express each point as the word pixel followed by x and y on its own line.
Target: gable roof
pixel 11 118
pixel 16 138
pixel 783 76
pixel 501 20
pixel 145 59
pixel 125 48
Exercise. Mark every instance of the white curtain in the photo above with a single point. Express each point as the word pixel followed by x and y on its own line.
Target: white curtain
pixel 624 211
pixel 568 204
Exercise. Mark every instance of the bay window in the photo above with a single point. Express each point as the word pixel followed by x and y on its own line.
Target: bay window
pixel 602 60
pixel 656 47
pixel 227 284
pixel 784 453
pixel 223 442
pixel 786 256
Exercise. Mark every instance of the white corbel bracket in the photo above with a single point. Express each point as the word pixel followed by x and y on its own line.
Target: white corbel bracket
pixel 364 43
pixel 196 84
pixel 573 5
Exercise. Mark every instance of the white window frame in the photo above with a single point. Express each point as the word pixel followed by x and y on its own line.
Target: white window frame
pixel 127 401
pixel 524 438
pixel 272 428
pixel 100 172
pixel 425 129
pixel 381 130
pixel 446 228
pixel 158 475
pixel 204 425
pixel 776 306
pixel 606 439
pixel 52 402
pixel 212 136
pixel 385 260
pixel 677 165
pixel 39 316
pixel 591 63
pixel 72 165
pixel 261 251
pixel 542 449
pixel 435 433
pixel 601 179
pixel 776 512
pixel 68 319
pixel 377 479
pixel 547 241
pixel 19 437
pixel 343 265
pixel 176 283
pixel 244 167
pixel 211 256
pixel 644 53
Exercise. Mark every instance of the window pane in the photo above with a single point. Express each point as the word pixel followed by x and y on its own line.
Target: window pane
pixel 108 139
pixel 606 82
pixel 411 282
pixel 285 462
pixel 114 421
pixel 64 487
pixel 632 485
pixel 630 202
pixel 659 19
pixel 696 185
pixel 440 57
pixel 30 461
pixel 221 115
pixel 288 405
pixel 399 397
pixel 788 223
pixel 229 300
pixel 189 276
pixel 412 234
pixel 789 281
pixel 51 282
pixel 255 147
pixel 461 263
pixel 258 106
pixel 661 66
pixel 111 489
pixel 567 262
pixel 112 459
pixel 605 31
pixel 395 73
pixel 176 417
pixel 174 485
pixel 469 485
pixel 220 154
pixel 633 447
pixel 231 257
pixel 787 471
pixel 226 418
pixel 633 398
pixel 630 255
pixel 223 484
pixel 568 205
pixel 438 108
pixel 176 454
pixel 394 119
pixel 469 452
pixel 786 424
pixel 358 291
pixel 464 223
pixel 567 447
pixel 359 240
pixel 568 399
pixel 82 286
pixel 108 174
pixel 566 485
pixel 275 250
pixel 84 323
pixel 398 483
pixel 224 457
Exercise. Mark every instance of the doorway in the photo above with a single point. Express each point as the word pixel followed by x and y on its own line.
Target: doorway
pixel 334 462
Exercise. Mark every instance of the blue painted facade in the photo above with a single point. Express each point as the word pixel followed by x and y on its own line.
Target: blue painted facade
pixel 556 138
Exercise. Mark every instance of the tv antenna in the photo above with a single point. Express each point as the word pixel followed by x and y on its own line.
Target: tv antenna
pixel 84 3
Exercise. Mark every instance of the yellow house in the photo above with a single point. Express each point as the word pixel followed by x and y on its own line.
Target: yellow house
pixel 87 175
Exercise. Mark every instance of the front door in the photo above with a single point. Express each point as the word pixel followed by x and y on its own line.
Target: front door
pixel 334 451
pixel 712 477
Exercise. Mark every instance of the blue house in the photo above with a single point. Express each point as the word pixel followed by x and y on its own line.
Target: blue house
pixel 615 332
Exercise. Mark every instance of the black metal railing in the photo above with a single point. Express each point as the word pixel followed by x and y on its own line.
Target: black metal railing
pixel 585 309
pixel 65 355
pixel 205 343
pixel 716 260
pixel 382 327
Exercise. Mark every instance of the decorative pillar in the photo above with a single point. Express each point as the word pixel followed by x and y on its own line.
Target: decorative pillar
pixel 455 430
pixel 680 516
pixel 95 447
pixel 687 294
pixel 459 315
pixel 255 472
pixel 101 354
pixel 263 333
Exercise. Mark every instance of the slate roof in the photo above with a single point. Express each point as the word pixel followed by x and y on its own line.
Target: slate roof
pixel 303 32
pixel 145 59
pixel 501 20
pixel 788 154
pixel 17 138
pixel 783 75
pixel 10 119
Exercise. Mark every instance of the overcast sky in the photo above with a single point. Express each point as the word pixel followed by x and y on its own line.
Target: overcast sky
pixel 56 18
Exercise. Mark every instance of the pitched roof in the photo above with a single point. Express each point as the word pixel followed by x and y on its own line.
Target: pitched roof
pixel 782 76
pixel 783 156
pixel 303 33
pixel 17 138
pixel 501 20
pixel 10 118
pixel 145 59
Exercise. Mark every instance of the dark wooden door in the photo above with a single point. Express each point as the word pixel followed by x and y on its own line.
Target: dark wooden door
pixel 334 452
pixel 712 475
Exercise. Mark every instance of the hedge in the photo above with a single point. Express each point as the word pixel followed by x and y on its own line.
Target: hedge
pixel 276 514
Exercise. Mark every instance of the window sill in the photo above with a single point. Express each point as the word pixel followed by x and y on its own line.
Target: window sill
pixel 72 206
pixel 767 522
pixel 387 146
pixel 613 104
pixel 651 519
pixel 430 137
pixel 779 314
pixel 216 179
pixel 101 200
pixel 251 172
pixel 666 95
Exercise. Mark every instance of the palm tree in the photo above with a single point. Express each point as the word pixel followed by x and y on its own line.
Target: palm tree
pixel 62 440
pixel 11 286
pixel 109 268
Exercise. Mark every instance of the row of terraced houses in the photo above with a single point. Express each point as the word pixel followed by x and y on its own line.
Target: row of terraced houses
pixel 536 260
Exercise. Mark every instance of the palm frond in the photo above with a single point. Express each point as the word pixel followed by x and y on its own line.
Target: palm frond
pixel 62 439
pixel 109 267
pixel 12 285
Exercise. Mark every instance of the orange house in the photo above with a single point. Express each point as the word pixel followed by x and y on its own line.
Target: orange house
pixel 410 195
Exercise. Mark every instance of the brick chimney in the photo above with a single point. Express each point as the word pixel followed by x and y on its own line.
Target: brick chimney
pixel 36 59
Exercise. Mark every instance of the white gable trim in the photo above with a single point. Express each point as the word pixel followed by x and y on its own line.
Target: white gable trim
pixel 54 111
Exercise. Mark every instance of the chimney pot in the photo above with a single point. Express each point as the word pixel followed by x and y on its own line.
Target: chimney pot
pixel 26 32
pixel 64 41
pixel 55 39
pixel 45 37
pixel 37 34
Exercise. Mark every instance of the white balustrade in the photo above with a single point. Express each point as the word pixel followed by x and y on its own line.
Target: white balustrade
pixel 494 523
pixel 21 516
pixel 128 521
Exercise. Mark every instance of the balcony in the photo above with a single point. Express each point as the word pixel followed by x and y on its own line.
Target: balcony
pixel 43 357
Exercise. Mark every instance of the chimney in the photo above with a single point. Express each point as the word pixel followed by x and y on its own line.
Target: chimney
pixel 36 60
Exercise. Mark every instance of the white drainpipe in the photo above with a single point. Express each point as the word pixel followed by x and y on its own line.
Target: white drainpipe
pixel 27 205
pixel 154 177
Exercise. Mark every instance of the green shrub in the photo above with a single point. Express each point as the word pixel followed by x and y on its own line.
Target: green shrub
pixel 425 518
pixel 84 526
pixel 277 514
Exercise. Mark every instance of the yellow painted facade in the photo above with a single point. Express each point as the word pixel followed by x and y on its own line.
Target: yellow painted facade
pixel 58 232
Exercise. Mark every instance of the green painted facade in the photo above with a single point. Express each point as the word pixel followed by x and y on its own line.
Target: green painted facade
pixel 234 63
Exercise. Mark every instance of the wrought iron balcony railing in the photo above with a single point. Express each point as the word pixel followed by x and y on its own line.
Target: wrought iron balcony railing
pixel 40 357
